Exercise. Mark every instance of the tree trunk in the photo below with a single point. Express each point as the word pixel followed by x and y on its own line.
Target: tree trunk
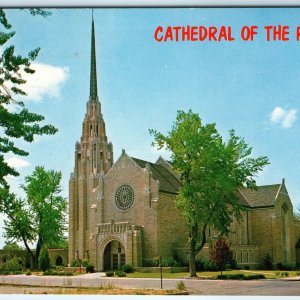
pixel 192 259
pixel 37 252
pixel 32 256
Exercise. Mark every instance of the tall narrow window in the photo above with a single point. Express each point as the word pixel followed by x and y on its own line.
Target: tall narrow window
pixel 94 156
pixel 97 130
pixel 91 130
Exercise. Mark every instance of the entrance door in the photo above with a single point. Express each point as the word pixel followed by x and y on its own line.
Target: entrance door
pixel 113 256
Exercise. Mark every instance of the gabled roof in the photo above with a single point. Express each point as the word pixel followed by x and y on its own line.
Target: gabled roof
pixel 263 196
pixel 168 182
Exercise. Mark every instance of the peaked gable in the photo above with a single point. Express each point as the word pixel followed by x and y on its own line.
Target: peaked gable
pixel 168 181
pixel 263 196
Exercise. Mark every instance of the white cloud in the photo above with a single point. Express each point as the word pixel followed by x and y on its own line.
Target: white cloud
pixel 285 118
pixel 46 81
pixel 17 163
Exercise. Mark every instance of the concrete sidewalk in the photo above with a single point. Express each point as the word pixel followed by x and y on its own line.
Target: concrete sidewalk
pixel 87 280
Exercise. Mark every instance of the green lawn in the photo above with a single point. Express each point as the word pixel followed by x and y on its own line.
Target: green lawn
pixel 211 275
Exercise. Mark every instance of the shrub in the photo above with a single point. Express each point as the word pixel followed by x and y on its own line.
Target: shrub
pixel 283 267
pixel 231 276
pixel 241 276
pixel 284 274
pixel 46 273
pixel 44 260
pixel 209 266
pixel 268 262
pixel 298 273
pixel 110 274
pixel 220 254
pixel 75 263
pixel 120 274
pixel 90 268
pixel 246 267
pixel 17 272
pixel 171 262
pixel 28 273
pixel 127 268
pixel 277 273
pixel 255 276
pixel 85 262
pixel 181 286
pixel 199 265
pixel 12 265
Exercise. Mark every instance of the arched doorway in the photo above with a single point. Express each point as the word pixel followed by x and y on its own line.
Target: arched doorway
pixel 113 255
pixel 58 261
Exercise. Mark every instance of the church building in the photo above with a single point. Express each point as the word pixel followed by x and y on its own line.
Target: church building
pixel 123 211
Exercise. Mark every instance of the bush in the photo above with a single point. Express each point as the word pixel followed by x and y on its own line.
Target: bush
pixel 284 274
pixel 283 267
pixel 209 266
pixel 246 267
pixel 181 286
pixel 268 262
pixel 255 276
pixel 120 274
pixel 85 262
pixel 127 268
pixel 12 265
pixel 110 274
pixel 220 254
pixel 28 273
pixel 90 268
pixel 75 263
pixel 44 260
pixel 232 276
pixel 17 272
pixel 54 273
pixel 199 265
pixel 241 276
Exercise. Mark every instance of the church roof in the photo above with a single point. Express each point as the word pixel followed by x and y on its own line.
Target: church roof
pixel 168 182
pixel 263 196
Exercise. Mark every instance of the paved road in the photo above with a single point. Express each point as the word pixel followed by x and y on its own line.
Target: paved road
pixel 194 286
pixel 245 288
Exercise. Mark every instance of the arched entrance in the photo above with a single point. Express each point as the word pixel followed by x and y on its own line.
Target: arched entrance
pixel 58 261
pixel 113 255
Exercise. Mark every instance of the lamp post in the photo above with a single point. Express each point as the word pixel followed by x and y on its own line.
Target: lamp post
pixel 160 267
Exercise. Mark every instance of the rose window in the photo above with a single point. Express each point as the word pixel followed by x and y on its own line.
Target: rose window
pixel 124 197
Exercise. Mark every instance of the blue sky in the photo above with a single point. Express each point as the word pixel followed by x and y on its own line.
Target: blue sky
pixel 251 87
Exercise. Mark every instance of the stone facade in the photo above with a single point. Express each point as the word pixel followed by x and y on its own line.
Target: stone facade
pixel 124 212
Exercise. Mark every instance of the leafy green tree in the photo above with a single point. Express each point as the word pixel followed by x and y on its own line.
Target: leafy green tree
pixel 16 122
pixel 11 246
pixel 41 217
pixel 211 171
pixel 44 260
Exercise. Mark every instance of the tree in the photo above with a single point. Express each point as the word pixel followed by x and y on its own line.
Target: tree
pixel 16 122
pixel 11 246
pixel 41 217
pixel 44 259
pixel 220 254
pixel 211 171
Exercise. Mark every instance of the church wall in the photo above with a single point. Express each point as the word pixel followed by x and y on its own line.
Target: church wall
pixel 143 212
pixel 285 236
pixel 172 231
pixel 264 229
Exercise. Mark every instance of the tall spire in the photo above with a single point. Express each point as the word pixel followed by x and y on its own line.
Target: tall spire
pixel 93 76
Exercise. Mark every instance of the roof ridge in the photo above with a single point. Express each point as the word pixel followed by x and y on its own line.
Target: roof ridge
pixel 244 197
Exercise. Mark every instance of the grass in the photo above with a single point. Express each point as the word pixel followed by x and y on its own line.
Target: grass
pixel 210 275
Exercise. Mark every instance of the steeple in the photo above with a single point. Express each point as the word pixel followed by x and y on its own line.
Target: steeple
pixel 93 76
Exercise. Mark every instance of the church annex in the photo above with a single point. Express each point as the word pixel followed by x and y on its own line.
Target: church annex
pixel 123 212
